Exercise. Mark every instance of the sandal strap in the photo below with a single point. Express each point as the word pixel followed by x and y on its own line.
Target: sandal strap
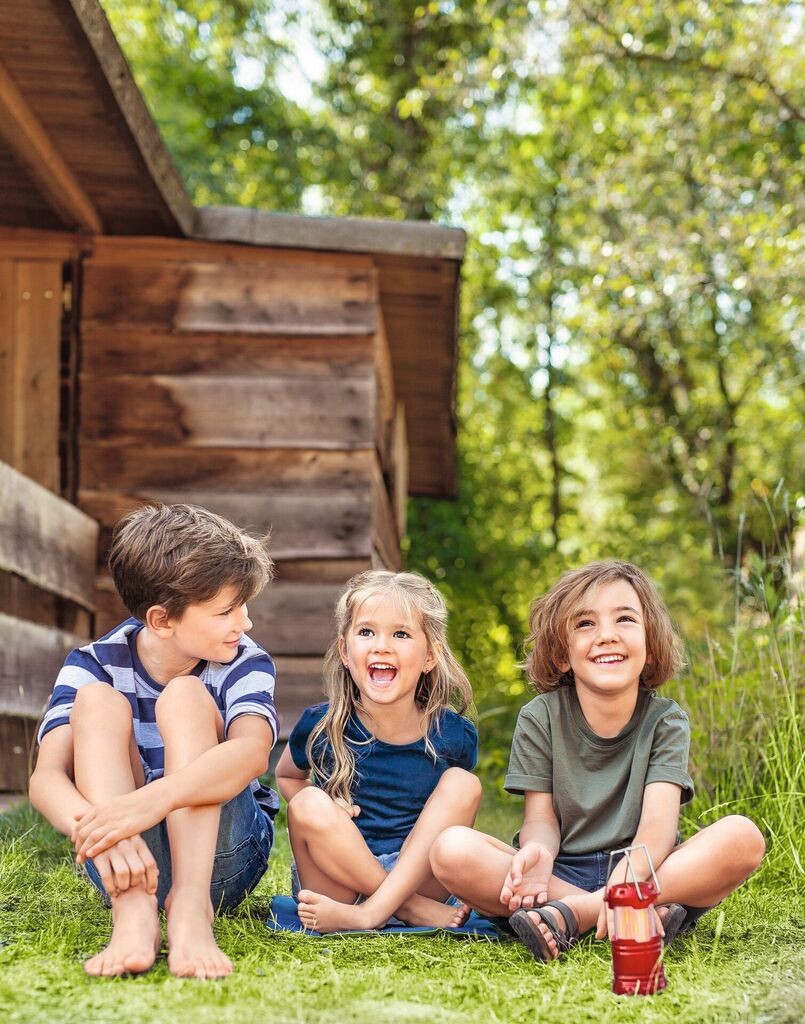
pixel 571 933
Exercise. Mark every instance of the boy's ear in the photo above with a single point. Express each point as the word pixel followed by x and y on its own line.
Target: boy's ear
pixel 158 620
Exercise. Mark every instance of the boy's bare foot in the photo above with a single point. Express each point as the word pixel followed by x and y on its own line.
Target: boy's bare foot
pixel 192 949
pixel 323 914
pixel 135 940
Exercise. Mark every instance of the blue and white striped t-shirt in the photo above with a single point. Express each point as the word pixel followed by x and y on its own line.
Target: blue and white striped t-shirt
pixel 244 686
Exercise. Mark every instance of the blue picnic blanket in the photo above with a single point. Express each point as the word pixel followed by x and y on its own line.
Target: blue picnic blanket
pixel 282 917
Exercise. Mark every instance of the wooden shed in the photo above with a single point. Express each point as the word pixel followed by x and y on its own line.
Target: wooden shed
pixel 288 372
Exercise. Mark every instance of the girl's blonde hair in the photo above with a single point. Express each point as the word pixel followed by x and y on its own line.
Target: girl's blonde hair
pixel 444 686
pixel 552 615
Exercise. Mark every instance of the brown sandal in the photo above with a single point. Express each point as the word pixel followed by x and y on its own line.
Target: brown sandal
pixel 531 935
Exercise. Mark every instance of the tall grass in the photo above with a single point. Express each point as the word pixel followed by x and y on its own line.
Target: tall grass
pixel 744 694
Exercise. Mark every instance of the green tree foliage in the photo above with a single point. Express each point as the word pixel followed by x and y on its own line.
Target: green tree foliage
pixel 630 177
pixel 208 70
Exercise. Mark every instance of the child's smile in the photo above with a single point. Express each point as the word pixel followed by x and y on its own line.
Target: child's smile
pixel 386 653
pixel 607 639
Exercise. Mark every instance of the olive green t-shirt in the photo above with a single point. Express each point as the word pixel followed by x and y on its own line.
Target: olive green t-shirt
pixel 597 783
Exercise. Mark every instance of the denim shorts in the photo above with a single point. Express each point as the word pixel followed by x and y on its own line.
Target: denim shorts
pixel 245 838
pixel 589 871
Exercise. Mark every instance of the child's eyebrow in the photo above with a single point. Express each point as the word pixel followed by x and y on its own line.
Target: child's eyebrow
pixel 368 622
pixel 620 608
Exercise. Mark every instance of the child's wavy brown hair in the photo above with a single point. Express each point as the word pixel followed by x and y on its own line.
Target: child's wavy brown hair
pixel 551 616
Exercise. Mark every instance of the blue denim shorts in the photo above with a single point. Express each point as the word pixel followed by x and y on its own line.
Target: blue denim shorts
pixel 245 838
pixel 587 871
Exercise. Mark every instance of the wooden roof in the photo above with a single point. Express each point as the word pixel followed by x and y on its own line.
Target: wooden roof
pixel 79 151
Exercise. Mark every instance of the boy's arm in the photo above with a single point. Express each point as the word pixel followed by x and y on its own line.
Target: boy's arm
pixel 527 881
pixel 53 793
pixel 290 779
pixel 657 828
pixel 214 777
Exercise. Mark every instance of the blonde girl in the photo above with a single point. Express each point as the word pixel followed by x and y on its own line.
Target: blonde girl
pixel 376 772
pixel 601 759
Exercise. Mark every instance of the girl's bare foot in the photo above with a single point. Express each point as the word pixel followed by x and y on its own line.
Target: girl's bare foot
pixel 136 936
pixel 323 914
pixel 192 949
pixel 420 911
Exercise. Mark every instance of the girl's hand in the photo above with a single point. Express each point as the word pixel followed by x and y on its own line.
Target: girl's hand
pixel 126 865
pixel 526 884
pixel 352 809
pixel 102 826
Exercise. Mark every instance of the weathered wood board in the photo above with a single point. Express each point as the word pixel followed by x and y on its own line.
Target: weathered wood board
pixel 238 412
pixel 293 295
pixel 30 319
pixel 30 658
pixel 46 540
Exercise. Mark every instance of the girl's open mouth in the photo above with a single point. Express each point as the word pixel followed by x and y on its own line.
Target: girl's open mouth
pixel 381 672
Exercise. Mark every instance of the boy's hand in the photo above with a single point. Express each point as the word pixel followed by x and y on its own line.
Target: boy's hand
pixel 104 825
pixel 526 884
pixel 126 865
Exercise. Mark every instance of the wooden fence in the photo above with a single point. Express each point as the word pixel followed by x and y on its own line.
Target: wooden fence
pixel 47 595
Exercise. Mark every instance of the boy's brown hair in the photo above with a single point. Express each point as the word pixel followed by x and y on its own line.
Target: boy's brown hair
pixel 177 555
pixel 551 616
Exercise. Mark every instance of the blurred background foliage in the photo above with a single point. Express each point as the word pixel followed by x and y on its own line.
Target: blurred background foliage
pixel 630 177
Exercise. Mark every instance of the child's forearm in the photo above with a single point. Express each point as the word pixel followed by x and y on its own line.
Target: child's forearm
pixel 542 831
pixel 214 777
pixel 55 796
pixel 289 786
pixel 658 839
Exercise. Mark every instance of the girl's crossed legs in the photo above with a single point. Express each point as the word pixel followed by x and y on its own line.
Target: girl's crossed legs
pixel 336 866
pixel 698 873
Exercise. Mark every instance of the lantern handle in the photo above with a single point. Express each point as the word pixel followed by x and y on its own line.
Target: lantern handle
pixel 627 851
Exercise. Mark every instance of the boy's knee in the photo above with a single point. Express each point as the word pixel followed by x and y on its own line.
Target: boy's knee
pixel 99 700
pixel 180 693
pixel 462 785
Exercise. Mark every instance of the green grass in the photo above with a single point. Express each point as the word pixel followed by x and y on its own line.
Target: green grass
pixel 745 962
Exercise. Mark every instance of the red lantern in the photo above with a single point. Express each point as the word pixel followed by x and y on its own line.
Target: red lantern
pixel 636 942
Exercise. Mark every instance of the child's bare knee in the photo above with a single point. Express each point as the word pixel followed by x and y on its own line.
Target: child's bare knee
pixel 450 851
pixel 99 700
pixel 310 807
pixel 179 694
pixel 747 840
pixel 462 785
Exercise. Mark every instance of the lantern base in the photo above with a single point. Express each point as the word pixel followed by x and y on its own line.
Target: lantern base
pixel 637 967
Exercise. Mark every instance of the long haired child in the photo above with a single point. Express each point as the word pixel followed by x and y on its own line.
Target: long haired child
pixel 601 759
pixel 390 756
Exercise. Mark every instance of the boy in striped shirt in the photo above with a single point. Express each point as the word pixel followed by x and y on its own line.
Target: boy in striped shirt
pixel 154 737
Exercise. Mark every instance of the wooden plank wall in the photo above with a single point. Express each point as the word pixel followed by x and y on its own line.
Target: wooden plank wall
pixel 259 384
pixel 47 592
